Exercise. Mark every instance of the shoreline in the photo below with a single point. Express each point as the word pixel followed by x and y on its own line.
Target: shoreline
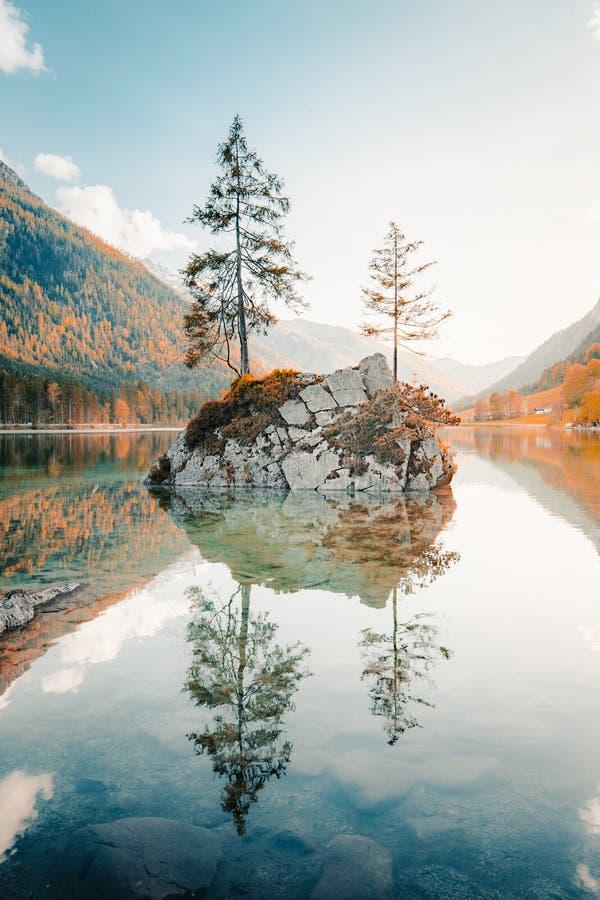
pixel 139 429
pixel 508 423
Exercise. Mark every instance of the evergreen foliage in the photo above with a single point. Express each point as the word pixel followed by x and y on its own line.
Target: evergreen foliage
pixel 249 680
pixel 232 285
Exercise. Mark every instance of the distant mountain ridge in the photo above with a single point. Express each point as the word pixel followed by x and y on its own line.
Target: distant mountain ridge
pixel 315 346
pixel 477 378
pixel 561 345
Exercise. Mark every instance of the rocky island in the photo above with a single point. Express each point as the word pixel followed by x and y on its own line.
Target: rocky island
pixel 352 431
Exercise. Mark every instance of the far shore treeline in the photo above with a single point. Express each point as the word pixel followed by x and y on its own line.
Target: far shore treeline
pixel 567 392
pixel 39 401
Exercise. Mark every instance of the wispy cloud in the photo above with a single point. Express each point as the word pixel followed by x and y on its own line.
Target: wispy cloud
pixel 65 681
pixel 590 815
pixel 18 799
pixel 593 214
pixel 60 167
pixel 594 21
pixel 14 53
pixel 136 231
pixel 591 635
pixel 16 166
pixel 586 880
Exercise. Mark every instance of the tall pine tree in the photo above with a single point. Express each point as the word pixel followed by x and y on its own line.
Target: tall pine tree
pixel 232 286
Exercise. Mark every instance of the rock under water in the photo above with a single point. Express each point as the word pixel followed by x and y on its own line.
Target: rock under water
pixel 17 607
pixel 329 434
pixel 134 858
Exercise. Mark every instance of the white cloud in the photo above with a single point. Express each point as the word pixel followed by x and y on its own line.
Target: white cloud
pixel 5 697
pixel 60 167
pixel 590 815
pixel 14 54
pixel 18 796
pixel 143 613
pixel 594 22
pixel 135 231
pixel 592 216
pixel 591 635
pixel 65 681
pixel 586 880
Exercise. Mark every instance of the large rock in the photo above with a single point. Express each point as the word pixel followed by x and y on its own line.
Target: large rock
pixel 135 858
pixel 375 374
pixel 17 607
pixel 307 471
pixel 355 868
pixel 347 388
pixel 317 398
pixel 294 412
pixel 297 447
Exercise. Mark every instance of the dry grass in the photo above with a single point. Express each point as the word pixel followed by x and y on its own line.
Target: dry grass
pixel 246 409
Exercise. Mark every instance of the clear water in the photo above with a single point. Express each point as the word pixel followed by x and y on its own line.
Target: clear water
pixel 423 672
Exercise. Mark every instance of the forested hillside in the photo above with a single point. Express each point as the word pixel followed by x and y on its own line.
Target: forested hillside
pixel 567 392
pixel 77 311
pixel 576 338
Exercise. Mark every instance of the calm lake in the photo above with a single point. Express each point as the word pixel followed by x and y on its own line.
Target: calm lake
pixel 269 673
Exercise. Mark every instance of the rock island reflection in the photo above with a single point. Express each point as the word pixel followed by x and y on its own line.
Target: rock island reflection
pixel 357 546
pixel 373 549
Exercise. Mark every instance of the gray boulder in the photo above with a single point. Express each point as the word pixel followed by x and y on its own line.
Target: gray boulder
pixel 308 471
pixel 347 387
pixel 294 412
pixel 317 398
pixel 140 857
pixel 355 868
pixel 375 374
pixel 17 607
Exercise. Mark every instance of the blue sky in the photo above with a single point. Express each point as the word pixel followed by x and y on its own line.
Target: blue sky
pixel 475 125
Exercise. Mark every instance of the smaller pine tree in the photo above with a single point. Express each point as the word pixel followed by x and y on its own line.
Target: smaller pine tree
pixel 405 314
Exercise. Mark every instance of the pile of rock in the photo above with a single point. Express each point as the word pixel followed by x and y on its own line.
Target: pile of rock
pixel 294 450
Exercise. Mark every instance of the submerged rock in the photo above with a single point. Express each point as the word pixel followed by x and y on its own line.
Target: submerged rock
pixel 17 607
pixel 140 857
pixel 345 432
pixel 355 868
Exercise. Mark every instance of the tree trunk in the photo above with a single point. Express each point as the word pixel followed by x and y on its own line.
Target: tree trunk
pixel 395 307
pixel 242 643
pixel 244 361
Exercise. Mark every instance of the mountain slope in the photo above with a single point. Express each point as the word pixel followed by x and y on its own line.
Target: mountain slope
pixel 75 306
pixel 316 347
pixel 477 378
pixel 559 346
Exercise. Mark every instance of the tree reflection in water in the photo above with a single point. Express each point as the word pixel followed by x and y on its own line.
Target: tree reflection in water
pixel 366 547
pixel 394 662
pixel 240 670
